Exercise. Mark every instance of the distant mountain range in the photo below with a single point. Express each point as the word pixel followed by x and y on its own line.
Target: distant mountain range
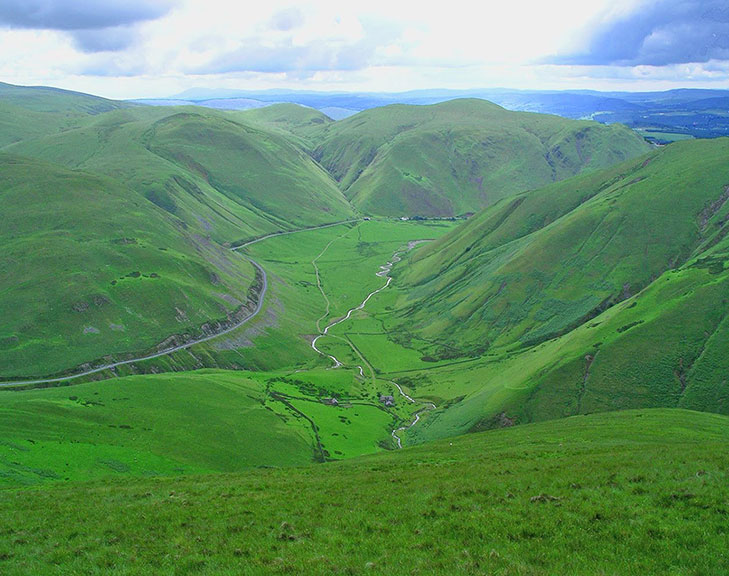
pixel 696 113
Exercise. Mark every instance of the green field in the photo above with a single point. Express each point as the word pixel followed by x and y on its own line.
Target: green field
pixel 632 493
pixel 663 137
pixel 166 424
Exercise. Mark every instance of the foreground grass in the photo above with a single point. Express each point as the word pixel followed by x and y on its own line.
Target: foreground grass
pixel 189 422
pixel 166 424
pixel 639 492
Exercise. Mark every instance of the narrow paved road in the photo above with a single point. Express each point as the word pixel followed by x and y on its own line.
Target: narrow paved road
pixel 166 352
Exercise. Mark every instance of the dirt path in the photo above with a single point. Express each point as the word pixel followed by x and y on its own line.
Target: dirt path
pixel 168 351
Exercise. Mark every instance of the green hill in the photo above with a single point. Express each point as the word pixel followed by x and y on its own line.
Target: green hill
pixel 302 122
pixel 606 291
pixel 57 101
pixel 225 179
pixel 545 260
pixel 32 111
pixel 459 156
pixel 259 170
pixel 92 269
pixel 97 194
pixel 632 493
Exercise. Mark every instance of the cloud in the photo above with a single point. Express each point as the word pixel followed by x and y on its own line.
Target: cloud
pixel 288 19
pixel 291 44
pixel 658 33
pixel 79 14
pixel 288 58
pixel 105 39
pixel 94 25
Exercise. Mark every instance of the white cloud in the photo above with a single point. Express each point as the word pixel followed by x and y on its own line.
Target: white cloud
pixel 377 45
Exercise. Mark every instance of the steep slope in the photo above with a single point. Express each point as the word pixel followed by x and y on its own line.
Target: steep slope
pixel 259 170
pixel 545 260
pixel 459 156
pixel 91 268
pixel 603 292
pixel 124 216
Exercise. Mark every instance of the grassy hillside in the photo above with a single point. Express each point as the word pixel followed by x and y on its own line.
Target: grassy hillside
pixel 188 422
pixel 33 111
pixel 57 101
pixel 223 178
pixel 633 493
pixel 459 156
pixel 604 292
pixel 260 170
pixel 302 122
pixel 547 260
pixel 166 424
pixel 122 219
pixel 92 269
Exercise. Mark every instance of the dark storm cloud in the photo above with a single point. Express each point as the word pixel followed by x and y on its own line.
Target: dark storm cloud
pixel 94 25
pixel 660 33
pixel 79 14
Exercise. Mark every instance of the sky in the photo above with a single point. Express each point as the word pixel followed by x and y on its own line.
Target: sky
pixel 159 48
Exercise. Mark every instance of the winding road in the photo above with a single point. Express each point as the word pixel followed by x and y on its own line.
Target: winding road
pixel 172 350
pixel 382 273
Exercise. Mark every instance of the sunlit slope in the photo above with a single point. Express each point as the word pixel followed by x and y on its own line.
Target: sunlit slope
pixel 665 346
pixel 91 268
pixel 459 156
pixel 153 425
pixel 634 493
pixel 207 420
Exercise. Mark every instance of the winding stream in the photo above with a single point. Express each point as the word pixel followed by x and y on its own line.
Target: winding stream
pixel 384 272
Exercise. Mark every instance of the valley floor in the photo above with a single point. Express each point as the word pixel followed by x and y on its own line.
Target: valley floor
pixel 321 282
